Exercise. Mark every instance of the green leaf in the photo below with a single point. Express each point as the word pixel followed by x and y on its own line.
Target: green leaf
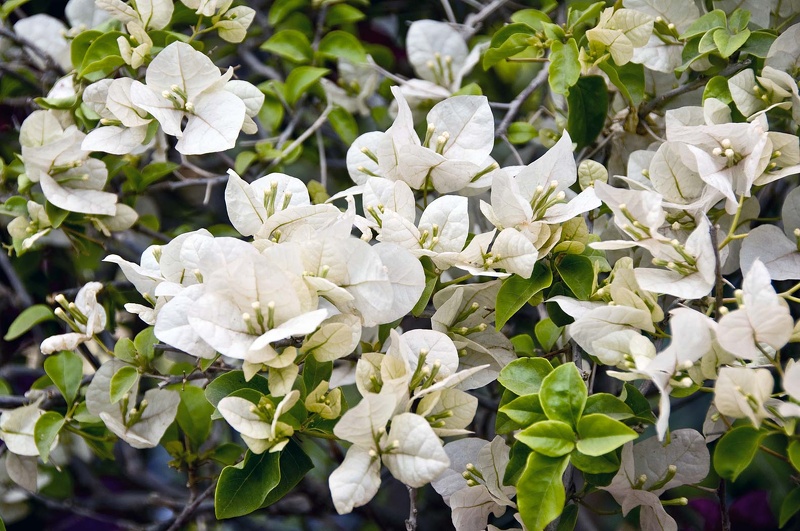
pixel 789 507
pixel 315 371
pixel 531 17
pixel 607 404
pixel 227 454
pixel 524 376
pixel 294 465
pixel 638 404
pixel 242 488
pixel 290 44
pixel 516 463
pixel 523 345
pixel 80 44
pixel 599 434
pixel 66 371
pixel 194 414
pixel 588 106
pixel 552 438
pixel 629 79
pixel 569 518
pixel 759 43
pixel 565 67
pixel 125 350
pixel 6 9
pixel 145 343
pixel 227 383
pixel 343 14
pixel 577 17
pixel 521 132
pixel 283 8
pixel 524 410
pixel 102 57
pixel 156 171
pixel 29 318
pixel 735 450
pixel 506 42
pixel 709 21
pixel 344 124
pixel 577 273
pixel 430 284
pixel 601 464
pixel 540 490
pixel 55 215
pixel 342 45
pixel 300 79
pixel 563 394
pixel 547 333
pixel 516 291
pixel 793 452
pixel 717 87
pixel 727 43
pixel 45 432
pixel 122 382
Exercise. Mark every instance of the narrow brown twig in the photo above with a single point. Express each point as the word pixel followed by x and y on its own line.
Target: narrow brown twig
pixel 539 80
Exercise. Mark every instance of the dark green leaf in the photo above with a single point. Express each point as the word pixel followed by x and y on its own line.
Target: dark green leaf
pixel 524 376
pixel 516 291
pixel 29 318
pixel 789 507
pixel 569 517
pixel 227 383
pixel 629 79
pixel 540 490
pixel 602 464
pixel 588 106
pixel 735 450
pixel 578 274
pixel 516 463
pixel 315 371
pixel 65 370
pixel 638 404
pixel 793 452
pixel 759 43
pixel 242 488
pixel 563 394
pixel 294 465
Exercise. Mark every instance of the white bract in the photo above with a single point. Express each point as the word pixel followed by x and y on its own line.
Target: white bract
pixel 184 83
pixel 85 316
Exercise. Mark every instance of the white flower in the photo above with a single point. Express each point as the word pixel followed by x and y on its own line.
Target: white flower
pixel 260 425
pixel 762 318
pixel 86 316
pixel 184 83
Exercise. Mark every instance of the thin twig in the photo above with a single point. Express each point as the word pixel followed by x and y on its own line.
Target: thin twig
pixel 302 138
pixel 187 512
pixel 514 150
pixel 719 285
pixel 513 109
pixel 323 160
pixel 473 22
pixel 411 522
pixel 48 59
pixel 448 10
pixel 666 97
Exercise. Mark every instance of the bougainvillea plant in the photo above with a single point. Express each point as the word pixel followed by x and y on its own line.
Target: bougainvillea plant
pixel 476 264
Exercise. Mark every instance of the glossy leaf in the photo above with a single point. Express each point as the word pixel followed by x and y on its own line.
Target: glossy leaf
pixel 242 488
pixel 516 291
pixel 540 490
pixel 552 438
pixel 29 318
pixel 563 394
pixel 588 106
pixel 524 376
pixel 599 434
pixel 735 450
pixel 45 432
pixel 66 371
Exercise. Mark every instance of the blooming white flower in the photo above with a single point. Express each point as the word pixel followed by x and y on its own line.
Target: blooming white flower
pixel 86 316
pixel 184 83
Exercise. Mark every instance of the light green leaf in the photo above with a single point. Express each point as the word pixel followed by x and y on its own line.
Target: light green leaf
pixel 45 432
pixel 516 291
pixel 547 333
pixel 300 79
pixel 728 43
pixel 66 371
pixel 563 394
pixel 599 434
pixel 290 44
pixel 524 410
pixel 552 438
pixel 540 490
pixel 735 450
pixel 29 318
pixel 709 21
pixel 524 376
pixel 242 488
pixel 194 413
pixel 342 45
pixel 122 382
pixel 344 124
pixel 565 67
